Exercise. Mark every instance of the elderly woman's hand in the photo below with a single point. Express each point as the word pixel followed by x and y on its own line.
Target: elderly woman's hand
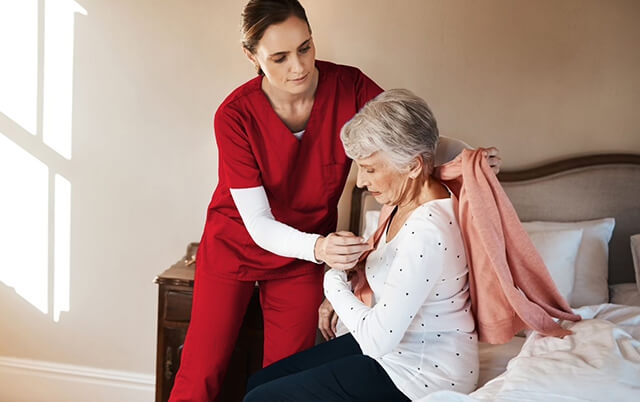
pixel 493 157
pixel 340 250
pixel 327 320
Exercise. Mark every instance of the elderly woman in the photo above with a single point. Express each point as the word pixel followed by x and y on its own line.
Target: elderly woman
pixel 419 335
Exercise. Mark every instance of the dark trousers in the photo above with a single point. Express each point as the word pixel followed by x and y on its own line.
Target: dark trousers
pixel 332 371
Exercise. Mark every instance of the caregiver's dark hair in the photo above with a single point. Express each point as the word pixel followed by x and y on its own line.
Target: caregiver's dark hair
pixel 258 15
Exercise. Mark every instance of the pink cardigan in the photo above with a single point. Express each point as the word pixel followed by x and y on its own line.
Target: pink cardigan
pixel 511 288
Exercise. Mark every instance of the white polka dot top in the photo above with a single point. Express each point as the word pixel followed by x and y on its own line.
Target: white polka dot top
pixel 420 328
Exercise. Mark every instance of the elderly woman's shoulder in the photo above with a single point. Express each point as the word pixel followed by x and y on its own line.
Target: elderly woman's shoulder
pixel 432 225
pixel 436 213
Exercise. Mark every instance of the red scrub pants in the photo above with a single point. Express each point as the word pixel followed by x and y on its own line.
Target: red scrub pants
pixel 290 311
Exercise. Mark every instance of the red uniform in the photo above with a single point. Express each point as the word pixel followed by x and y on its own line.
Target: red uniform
pixel 303 180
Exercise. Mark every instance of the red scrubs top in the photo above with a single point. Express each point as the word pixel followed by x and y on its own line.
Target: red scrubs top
pixel 303 178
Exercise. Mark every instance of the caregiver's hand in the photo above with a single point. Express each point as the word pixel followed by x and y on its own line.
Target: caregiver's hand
pixel 493 157
pixel 327 320
pixel 340 250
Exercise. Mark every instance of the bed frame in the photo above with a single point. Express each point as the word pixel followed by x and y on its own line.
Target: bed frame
pixel 575 189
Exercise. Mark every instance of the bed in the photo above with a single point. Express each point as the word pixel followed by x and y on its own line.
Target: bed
pixel 581 214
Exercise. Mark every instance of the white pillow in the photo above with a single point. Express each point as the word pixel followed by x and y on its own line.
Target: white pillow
pixel 559 250
pixel 635 252
pixel 592 265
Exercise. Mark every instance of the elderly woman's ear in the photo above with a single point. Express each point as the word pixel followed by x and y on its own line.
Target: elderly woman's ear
pixel 416 168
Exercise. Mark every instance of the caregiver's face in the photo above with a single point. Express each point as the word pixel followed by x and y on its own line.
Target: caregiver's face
pixel 383 180
pixel 286 54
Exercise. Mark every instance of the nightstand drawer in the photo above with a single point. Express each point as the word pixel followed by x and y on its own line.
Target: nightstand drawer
pixel 177 306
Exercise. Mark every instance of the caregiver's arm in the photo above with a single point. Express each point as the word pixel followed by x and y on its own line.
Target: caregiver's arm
pixel 449 148
pixel 266 231
pixel 338 249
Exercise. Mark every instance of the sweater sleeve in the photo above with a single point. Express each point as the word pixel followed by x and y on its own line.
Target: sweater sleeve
pixel 266 231
pixel 415 269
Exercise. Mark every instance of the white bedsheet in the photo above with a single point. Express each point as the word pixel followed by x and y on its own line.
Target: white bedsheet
pixel 599 362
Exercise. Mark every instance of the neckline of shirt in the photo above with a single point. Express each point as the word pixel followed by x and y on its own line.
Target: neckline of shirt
pixel 411 215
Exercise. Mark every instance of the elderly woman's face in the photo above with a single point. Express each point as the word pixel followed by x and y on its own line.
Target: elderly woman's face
pixel 383 180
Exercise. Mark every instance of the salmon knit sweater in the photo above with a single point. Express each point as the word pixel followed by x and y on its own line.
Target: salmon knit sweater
pixel 511 288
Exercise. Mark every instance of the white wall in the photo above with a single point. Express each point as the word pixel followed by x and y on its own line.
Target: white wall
pixel 540 80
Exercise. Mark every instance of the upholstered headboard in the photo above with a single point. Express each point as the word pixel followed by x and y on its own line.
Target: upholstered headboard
pixel 576 189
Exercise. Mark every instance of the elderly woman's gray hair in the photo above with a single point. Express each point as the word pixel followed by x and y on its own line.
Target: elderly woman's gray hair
pixel 397 123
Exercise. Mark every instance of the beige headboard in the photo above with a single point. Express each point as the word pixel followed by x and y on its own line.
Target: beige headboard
pixel 582 188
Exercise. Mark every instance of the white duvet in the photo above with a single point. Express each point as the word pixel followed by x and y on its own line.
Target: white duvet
pixel 599 362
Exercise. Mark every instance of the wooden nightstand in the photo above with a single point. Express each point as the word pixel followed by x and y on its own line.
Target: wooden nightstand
pixel 174 313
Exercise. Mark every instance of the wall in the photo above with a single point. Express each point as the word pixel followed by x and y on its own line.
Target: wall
pixel 540 80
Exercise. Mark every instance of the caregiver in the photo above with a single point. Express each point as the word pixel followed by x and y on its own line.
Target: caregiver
pixel 282 169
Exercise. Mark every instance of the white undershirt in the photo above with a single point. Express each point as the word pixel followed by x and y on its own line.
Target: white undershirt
pixel 284 240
